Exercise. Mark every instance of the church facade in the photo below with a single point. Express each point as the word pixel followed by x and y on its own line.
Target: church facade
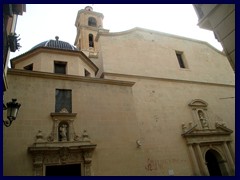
pixel 136 103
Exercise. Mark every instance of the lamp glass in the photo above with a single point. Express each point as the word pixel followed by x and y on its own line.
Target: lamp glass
pixel 12 109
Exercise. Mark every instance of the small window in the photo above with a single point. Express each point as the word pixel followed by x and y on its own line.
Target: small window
pixel 92 21
pixel 86 73
pixel 91 43
pixel 181 62
pixel 60 67
pixel 63 101
pixel 29 67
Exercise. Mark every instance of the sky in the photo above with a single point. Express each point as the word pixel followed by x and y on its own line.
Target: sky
pixel 42 22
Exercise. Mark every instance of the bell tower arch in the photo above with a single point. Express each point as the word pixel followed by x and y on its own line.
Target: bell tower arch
pixel 88 23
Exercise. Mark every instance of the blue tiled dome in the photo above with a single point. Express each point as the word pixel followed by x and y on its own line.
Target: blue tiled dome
pixel 56 44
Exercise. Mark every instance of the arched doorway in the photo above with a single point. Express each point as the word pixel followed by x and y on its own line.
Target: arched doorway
pixel 213 158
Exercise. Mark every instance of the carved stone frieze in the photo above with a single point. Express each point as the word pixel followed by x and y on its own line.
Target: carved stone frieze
pixel 64 154
pixel 62 146
pixel 51 158
pixel 46 154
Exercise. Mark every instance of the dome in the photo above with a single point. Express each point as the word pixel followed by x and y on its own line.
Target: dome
pixel 56 44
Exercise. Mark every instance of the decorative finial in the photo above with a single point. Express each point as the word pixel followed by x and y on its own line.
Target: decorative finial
pixel 56 37
pixel 39 136
pixel 88 8
pixel 85 136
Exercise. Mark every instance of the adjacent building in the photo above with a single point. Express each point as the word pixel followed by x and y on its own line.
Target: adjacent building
pixel 138 102
pixel 10 38
pixel 219 18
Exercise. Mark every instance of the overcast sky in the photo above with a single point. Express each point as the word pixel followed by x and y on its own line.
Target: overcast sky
pixel 43 22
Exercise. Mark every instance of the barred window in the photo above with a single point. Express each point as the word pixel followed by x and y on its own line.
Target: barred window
pixel 63 100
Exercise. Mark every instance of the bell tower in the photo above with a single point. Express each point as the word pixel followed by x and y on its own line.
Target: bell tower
pixel 88 23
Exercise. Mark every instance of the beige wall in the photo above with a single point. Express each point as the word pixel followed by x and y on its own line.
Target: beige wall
pixel 162 108
pixel 163 90
pixel 106 111
pixel 167 100
pixel 115 116
pixel 219 18
pixel 152 54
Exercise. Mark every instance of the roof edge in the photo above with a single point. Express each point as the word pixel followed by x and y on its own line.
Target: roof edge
pixel 161 33
pixel 40 49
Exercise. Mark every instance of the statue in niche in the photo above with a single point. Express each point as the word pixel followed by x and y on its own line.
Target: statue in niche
pixel 203 119
pixel 63 132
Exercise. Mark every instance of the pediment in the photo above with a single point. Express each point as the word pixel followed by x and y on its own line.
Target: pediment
pixel 198 103
pixel 219 130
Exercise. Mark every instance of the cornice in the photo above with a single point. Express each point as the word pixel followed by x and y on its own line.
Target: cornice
pixel 47 75
pixel 39 50
pixel 56 115
pixel 43 49
pixel 56 146
pixel 167 79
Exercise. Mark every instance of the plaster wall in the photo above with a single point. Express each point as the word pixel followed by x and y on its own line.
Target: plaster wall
pixel 161 109
pixel 115 117
pixel 106 111
pixel 152 54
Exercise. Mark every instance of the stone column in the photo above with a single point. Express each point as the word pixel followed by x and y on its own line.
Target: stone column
pixel 230 160
pixel 38 165
pixel 231 150
pixel 194 160
pixel 87 163
pixel 202 161
pixel 87 169
pixel 38 169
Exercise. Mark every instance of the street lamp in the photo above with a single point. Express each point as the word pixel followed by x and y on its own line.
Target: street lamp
pixel 12 111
